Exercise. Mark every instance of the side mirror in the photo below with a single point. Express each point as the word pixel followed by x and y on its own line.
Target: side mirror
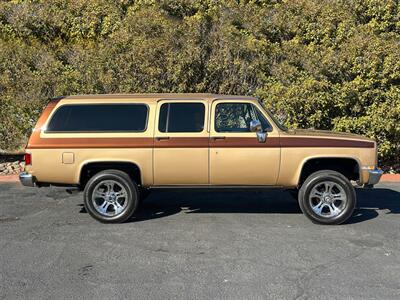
pixel 255 126
pixel 261 136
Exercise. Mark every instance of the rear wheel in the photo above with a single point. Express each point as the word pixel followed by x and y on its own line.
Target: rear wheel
pixel 327 197
pixel 111 196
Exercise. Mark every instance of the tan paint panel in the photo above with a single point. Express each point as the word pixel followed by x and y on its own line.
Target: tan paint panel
pixel 244 166
pixel 175 166
pixel 47 165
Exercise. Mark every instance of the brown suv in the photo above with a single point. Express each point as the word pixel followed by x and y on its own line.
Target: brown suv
pixel 118 147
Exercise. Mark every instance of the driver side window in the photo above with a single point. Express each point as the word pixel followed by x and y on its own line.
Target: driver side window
pixel 236 117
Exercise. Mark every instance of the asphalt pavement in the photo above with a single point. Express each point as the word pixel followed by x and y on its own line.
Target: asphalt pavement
pixel 197 245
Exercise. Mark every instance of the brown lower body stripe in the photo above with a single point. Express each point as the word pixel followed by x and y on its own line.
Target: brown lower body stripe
pixel 203 142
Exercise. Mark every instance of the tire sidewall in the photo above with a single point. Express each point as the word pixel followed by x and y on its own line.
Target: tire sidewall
pixel 318 178
pixel 127 184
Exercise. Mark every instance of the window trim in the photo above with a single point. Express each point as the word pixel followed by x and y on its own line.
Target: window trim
pixel 258 110
pixel 46 131
pixel 168 102
pixel 253 108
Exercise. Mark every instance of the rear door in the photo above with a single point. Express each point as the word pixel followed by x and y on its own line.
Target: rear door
pixel 236 156
pixel 181 141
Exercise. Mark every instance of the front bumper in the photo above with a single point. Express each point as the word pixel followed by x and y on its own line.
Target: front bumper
pixel 374 176
pixel 27 179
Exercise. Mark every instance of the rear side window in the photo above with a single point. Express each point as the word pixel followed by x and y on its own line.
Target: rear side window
pixel 99 118
pixel 181 117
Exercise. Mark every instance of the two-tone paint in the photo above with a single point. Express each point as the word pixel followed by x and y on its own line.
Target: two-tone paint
pixel 206 158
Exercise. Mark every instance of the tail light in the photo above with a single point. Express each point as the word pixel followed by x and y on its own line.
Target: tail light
pixel 28 158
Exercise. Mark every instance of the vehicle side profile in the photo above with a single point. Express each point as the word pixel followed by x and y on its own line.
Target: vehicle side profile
pixel 117 148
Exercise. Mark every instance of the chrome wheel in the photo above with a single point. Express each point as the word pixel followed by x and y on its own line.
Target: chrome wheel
pixel 109 198
pixel 328 199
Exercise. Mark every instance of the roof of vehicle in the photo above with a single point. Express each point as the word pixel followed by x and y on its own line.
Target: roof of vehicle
pixel 158 96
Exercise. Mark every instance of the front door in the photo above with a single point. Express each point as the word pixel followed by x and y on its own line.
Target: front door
pixel 236 155
pixel 181 143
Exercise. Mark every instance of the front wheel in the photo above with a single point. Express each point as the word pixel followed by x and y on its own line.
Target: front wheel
pixel 111 196
pixel 327 197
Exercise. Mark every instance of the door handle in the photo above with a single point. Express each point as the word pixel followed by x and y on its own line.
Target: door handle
pixel 214 138
pixel 160 138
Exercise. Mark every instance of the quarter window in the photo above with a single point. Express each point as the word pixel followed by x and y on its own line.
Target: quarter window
pixel 236 117
pixel 181 117
pixel 99 118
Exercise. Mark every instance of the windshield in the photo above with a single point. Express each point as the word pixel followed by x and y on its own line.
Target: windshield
pixel 276 121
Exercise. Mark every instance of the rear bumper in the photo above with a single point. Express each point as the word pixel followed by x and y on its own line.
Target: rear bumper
pixel 27 179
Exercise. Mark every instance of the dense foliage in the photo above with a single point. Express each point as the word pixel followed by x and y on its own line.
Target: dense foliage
pixel 327 64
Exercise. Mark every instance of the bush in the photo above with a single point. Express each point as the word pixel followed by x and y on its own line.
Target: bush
pixel 325 64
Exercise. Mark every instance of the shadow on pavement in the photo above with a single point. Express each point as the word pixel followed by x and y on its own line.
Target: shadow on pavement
pixel 166 203
pixel 371 201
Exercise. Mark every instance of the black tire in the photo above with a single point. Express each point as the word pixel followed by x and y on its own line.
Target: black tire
pixel 341 184
pixel 121 179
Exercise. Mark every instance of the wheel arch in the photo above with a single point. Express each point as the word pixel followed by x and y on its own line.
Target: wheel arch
pixel 331 162
pixel 132 168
